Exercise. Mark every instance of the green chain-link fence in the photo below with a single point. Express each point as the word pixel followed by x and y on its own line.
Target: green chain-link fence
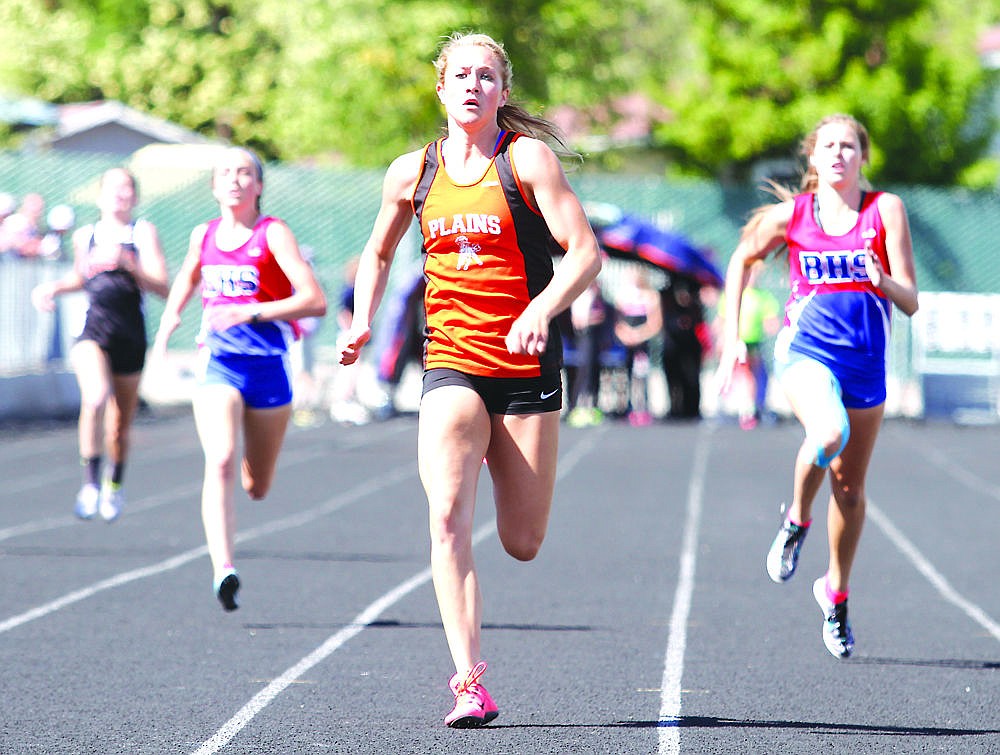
pixel 331 211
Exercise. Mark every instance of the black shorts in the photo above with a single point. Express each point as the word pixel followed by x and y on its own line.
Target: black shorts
pixel 121 333
pixel 127 356
pixel 527 395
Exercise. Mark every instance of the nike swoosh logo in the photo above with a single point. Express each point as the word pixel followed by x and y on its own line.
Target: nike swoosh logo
pixel 543 395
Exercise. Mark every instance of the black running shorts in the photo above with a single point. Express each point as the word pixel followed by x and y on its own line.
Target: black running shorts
pixel 527 395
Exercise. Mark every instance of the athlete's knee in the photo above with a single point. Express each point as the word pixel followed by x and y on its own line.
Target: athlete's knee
pixel 450 527
pixel 255 489
pixel 220 468
pixel 94 402
pixel 256 485
pixel 523 548
pixel 826 448
pixel 826 451
pixel 828 443
pixel 520 542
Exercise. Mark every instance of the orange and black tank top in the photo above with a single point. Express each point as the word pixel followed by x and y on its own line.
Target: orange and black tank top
pixel 487 253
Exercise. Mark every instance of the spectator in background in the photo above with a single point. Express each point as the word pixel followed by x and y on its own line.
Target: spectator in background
pixel 683 316
pixel 759 320
pixel 302 353
pixel 344 403
pixel 8 203
pixel 116 260
pixel 21 232
pixel 398 343
pixel 60 222
pixel 639 321
pixel 590 316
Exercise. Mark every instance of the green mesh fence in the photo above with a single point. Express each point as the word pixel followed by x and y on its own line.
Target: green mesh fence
pixel 331 211
pixel 954 231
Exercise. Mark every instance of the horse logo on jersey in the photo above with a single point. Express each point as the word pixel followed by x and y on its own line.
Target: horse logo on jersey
pixel 467 253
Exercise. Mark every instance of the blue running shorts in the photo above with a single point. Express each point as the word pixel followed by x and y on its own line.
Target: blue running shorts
pixel 263 381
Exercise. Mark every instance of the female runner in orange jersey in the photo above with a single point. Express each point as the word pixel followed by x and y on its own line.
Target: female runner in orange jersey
pixel 494 207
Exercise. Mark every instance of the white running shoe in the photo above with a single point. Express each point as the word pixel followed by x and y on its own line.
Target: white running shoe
pixel 783 555
pixel 112 501
pixel 349 413
pixel 837 634
pixel 87 500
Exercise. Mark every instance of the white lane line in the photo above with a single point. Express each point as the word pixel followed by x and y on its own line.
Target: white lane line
pixel 367 488
pixel 185 491
pixel 117 581
pixel 673 666
pixel 957 472
pixel 360 622
pixel 289 458
pixel 932 575
pixel 263 698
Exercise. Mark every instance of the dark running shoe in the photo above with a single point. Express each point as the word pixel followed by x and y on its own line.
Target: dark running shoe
pixel 837 634
pixel 226 589
pixel 783 556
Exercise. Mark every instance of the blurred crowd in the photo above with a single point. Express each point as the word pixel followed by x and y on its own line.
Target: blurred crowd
pixel 27 231
pixel 617 336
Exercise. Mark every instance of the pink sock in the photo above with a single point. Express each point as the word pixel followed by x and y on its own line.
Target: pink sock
pixel 833 595
pixel 800 524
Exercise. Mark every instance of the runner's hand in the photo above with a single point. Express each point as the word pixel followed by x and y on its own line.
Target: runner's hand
pixel 873 266
pixel 349 345
pixel 529 334
pixel 732 355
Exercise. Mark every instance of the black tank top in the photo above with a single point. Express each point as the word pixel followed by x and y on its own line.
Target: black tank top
pixel 115 299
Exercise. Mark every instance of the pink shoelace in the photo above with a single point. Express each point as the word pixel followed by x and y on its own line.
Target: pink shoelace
pixel 471 679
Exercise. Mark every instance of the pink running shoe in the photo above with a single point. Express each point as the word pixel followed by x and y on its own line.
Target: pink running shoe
pixel 473 705
pixel 640 419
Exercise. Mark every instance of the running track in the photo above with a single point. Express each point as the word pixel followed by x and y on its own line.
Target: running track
pixel 646 625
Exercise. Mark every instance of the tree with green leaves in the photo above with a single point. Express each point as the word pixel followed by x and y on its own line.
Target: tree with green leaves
pixel 351 81
pixel 763 73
